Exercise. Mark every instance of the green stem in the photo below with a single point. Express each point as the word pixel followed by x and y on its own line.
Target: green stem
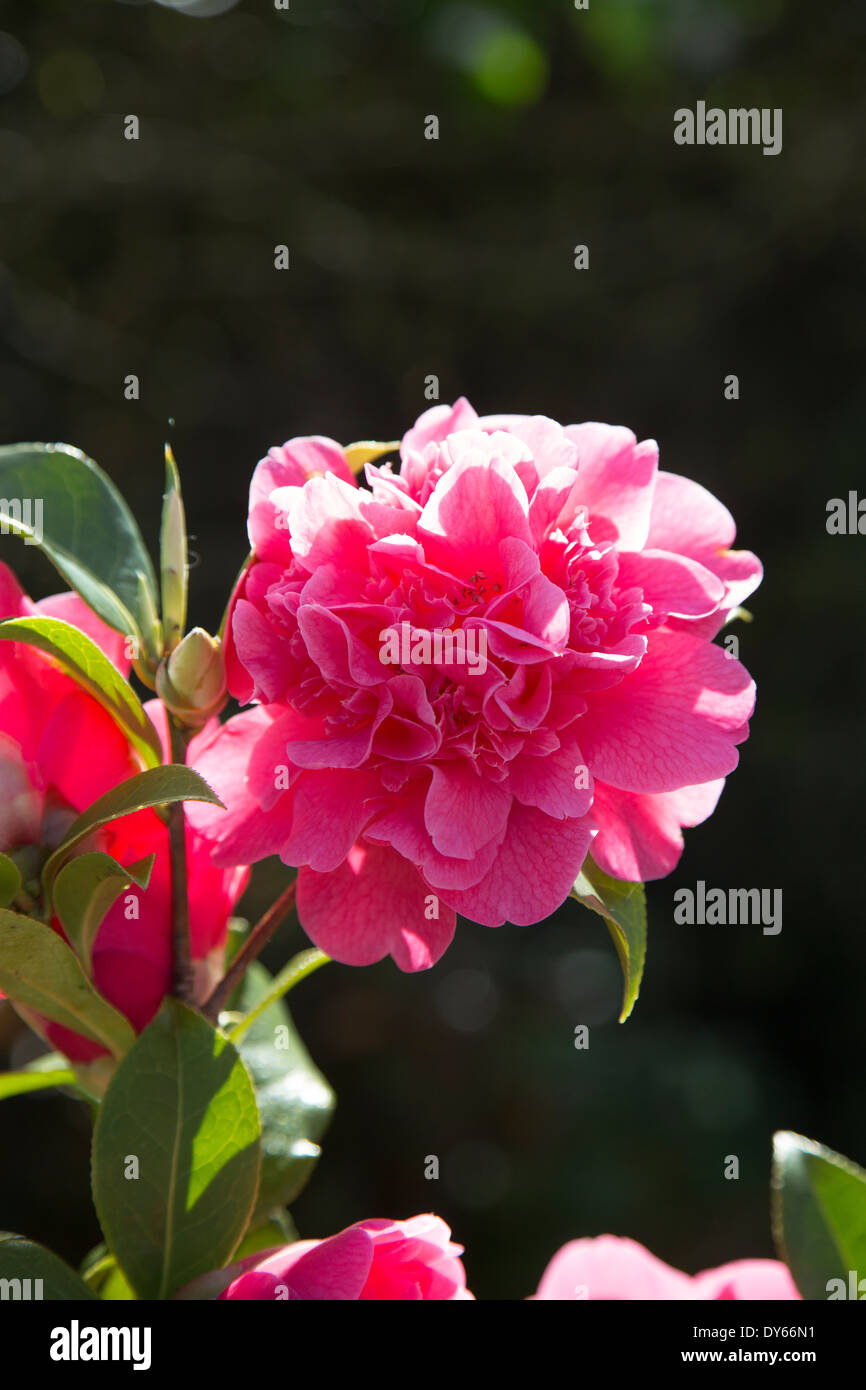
pixel 298 968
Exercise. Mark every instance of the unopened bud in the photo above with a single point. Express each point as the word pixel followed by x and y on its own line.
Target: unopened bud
pixel 191 681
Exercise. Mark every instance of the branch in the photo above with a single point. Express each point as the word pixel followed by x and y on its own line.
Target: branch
pixel 252 947
pixel 182 973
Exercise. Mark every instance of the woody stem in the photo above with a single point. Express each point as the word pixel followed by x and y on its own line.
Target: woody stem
pixel 182 974
pixel 252 947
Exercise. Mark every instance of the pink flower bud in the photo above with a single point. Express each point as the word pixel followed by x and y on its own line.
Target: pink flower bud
pixel 59 751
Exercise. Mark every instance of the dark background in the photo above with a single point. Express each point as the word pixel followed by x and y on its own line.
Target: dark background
pixel 411 257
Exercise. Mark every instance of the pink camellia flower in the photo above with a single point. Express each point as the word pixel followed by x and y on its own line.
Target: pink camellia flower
pixel 281 469
pixel 610 1267
pixel 60 751
pixel 472 672
pixel 376 1259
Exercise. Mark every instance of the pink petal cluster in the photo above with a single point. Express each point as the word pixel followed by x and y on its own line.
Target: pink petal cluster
pixel 610 1267
pixel 375 1259
pixel 59 751
pixel 604 714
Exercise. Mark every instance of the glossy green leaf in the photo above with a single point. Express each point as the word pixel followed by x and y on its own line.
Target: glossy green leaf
pixel 85 528
pixel 206 1288
pixel 173 556
pixel 156 787
pixel 819 1216
pixel 270 1235
pixel 19 1083
pixel 54 1063
pixel 10 880
pixel 39 971
pixel 115 1288
pixel 295 1101
pixel 100 1273
pixel 92 670
pixel 623 907
pixel 47 1070
pixel 180 1113
pixel 51 1279
pixel 86 888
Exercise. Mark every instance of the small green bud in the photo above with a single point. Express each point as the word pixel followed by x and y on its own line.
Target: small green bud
pixel 191 681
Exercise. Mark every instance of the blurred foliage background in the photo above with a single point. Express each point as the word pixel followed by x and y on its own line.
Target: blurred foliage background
pixel 305 126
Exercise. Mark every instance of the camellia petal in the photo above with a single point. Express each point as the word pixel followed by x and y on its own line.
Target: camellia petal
pixel 374 1260
pixel 374 904
pixel 615 1269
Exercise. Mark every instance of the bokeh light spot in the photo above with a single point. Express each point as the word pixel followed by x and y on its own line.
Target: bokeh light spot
pixel 70 83
pixel 510 68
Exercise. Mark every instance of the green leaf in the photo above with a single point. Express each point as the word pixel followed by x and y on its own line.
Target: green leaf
pixel 181 1104
pixel 39 971
pixel 93 1078
pixel 85 529
pixel 819 1214
pixel 92 670
pixel 156 787
pixel 279 1231
pixel 295 1101
pixel 10 880
pixel 623 907
pixel 100 1273
pixel 366 450
pixel 22 1259
pixel 173 556
pixel 115 1288
pixel 270 1235
pixel 47 1061
pixel 297 969
pixel 49 1069
pixel 86 888
pixel 18 1083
